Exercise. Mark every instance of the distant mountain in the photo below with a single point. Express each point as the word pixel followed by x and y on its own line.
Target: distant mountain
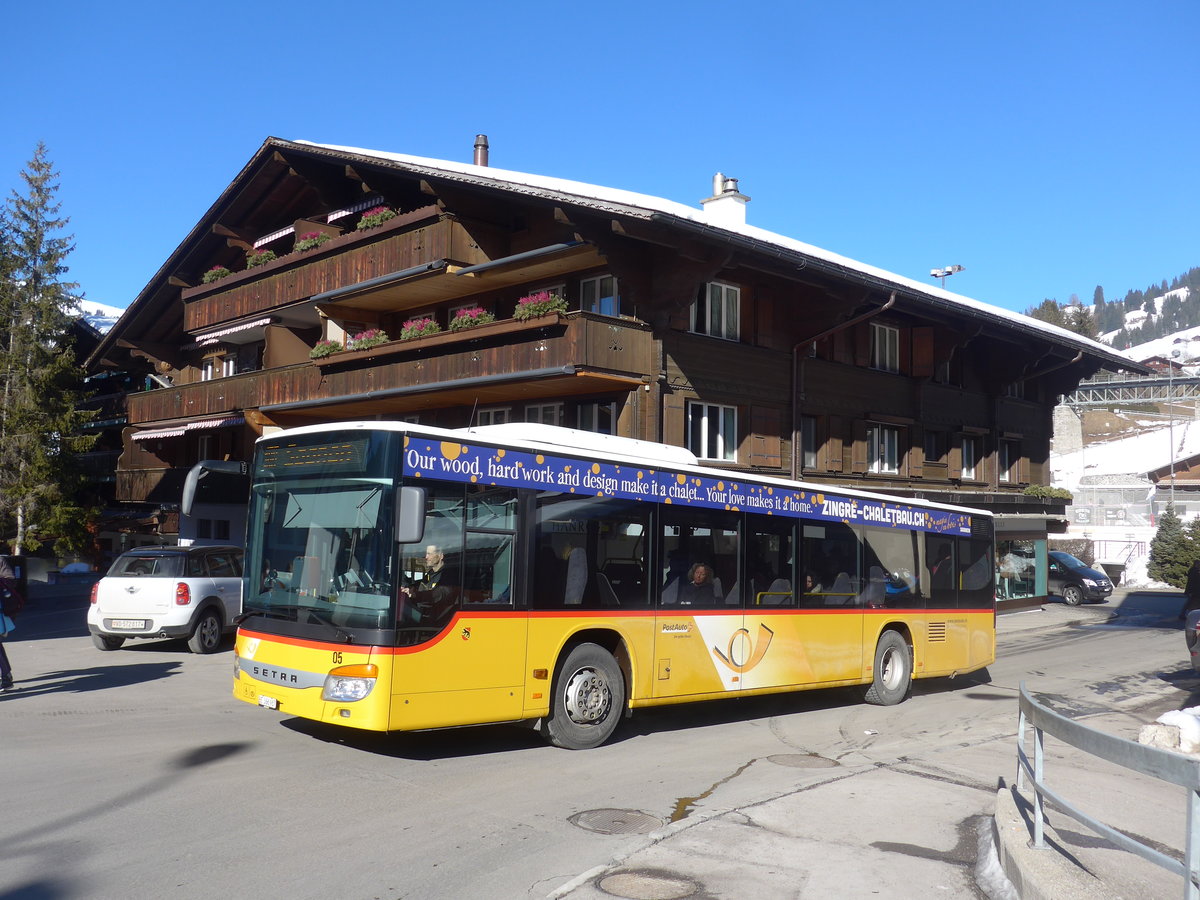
pixel 100 316
pixel 1141 317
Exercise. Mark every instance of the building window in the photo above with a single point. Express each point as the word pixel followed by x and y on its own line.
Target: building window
pixel 599 295
pixel 1008 453
pixel 883 449
pixel 600 418
pixel 544 413
pixel 935 446
pixel 206 447
pixel 808 442
pixel 228 365
pixel 1015 390
pixel 712 431
pixel 497 415
pixel 208 369
pixel 970 458
pixel 885 348
pixel 718 311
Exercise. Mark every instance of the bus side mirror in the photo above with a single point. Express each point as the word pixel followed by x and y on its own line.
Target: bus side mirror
pixel 410 515
pixel 200 471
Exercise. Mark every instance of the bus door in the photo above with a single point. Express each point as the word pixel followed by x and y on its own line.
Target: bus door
pixel 467 661
pixel 699 641
pixel 829 645
pixel 772 647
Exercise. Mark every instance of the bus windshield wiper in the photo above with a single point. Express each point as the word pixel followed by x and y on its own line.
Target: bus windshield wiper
pixel 338 632
pixel 249 611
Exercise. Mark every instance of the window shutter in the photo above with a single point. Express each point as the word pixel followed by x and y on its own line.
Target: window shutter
pixel 922 353
pixel 674 425
pixel 905 350
pixel 765 449
pixel 916 451
pixel 858 463
pixel 862 344
pixel 955 457
pixel 836 445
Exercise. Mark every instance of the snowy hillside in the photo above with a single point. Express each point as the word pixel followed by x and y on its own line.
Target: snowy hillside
pixel 99 315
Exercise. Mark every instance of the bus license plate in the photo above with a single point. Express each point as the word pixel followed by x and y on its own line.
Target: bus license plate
pixel 268 702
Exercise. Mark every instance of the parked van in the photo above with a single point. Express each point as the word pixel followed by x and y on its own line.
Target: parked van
pixel 1074 581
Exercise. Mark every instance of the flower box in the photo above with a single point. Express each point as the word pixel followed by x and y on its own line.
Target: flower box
pixel 462 335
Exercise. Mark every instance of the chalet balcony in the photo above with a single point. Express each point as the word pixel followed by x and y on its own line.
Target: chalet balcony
pixel 418 259
pixel 560 355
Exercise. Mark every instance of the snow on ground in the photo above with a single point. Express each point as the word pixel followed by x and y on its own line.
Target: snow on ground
pixel 1137 454
pixel 1133 455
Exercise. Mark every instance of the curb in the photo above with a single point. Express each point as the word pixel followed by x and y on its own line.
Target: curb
pixel 1047 874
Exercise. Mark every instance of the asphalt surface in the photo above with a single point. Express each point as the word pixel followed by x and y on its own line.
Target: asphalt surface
pixel 811 842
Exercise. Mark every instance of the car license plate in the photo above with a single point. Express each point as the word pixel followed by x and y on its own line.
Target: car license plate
pixel 268 702
pixel 135 624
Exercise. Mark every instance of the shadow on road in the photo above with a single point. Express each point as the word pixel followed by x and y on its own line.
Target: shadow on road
pixel 1144 609
pixel 96 678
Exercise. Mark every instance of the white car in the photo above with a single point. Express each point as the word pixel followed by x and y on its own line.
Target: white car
pixel 168 592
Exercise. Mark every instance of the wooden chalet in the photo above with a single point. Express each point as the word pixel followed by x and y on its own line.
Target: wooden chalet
pixel 684 325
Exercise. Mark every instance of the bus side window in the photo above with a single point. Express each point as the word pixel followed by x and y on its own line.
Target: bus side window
pixel 768 567
pixel 939 561
pixel 702 549
pixel 831 565
pixel 591 553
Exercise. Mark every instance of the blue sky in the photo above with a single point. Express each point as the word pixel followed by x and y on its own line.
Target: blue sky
pixel 1046 146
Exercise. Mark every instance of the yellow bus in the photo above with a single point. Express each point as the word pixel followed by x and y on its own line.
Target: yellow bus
pixel 399 578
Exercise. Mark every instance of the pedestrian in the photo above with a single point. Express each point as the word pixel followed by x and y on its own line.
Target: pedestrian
pixel 1191 590
pixel 11 603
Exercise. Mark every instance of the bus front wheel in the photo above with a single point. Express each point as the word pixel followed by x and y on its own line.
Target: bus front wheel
pixel 892 673
pixel 589 693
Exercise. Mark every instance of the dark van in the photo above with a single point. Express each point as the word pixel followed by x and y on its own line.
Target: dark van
pixel 1074 581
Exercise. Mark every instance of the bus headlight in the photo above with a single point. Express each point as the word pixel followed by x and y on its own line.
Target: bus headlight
pixel 346 684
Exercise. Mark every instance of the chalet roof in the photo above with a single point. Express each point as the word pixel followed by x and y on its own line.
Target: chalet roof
pixel 634 206
pixel 648 207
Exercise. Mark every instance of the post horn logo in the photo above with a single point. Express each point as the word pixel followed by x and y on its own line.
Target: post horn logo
pixel 735 655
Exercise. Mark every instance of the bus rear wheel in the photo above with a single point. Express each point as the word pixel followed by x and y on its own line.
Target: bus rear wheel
pixel 892 672
pixel 589 693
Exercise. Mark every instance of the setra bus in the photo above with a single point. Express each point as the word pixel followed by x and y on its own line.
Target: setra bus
pixel 400 578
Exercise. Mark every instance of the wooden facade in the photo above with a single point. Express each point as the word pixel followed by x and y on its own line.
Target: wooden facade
pixel 754 355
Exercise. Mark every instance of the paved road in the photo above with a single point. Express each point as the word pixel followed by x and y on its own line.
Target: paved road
pixel 136 775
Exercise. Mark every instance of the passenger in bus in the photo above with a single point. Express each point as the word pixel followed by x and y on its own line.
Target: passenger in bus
pixel 700 589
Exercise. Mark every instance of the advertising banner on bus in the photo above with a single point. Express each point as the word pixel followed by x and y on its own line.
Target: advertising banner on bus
pixel 481 464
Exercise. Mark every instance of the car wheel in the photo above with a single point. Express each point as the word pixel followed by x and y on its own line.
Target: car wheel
pixel 206 637
pixel 1072 595
pixel 892 673
pixel 107 641
pixel 588 698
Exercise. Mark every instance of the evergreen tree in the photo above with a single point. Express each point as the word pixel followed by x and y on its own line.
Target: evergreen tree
pixel 1048 311
pixel 1098 296
pixel 1171 552
pixel 1079 320
pixel 39 377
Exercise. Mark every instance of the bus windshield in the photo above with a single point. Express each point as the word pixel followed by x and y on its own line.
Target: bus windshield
pixel 324 556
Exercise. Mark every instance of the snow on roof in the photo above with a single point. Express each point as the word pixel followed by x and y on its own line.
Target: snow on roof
pixel 1134 455
pixel 645 206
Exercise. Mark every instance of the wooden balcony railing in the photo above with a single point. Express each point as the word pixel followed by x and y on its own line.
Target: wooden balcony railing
pixel 409 240
pixel 620 347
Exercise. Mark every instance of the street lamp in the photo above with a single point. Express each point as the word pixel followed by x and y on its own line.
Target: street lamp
pixel 1171 416
pixel 944 271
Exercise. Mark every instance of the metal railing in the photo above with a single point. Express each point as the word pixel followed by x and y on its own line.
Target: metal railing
pixel 1162 764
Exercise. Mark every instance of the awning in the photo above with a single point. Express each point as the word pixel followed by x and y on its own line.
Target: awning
pixel 203 340
pixel 182 428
